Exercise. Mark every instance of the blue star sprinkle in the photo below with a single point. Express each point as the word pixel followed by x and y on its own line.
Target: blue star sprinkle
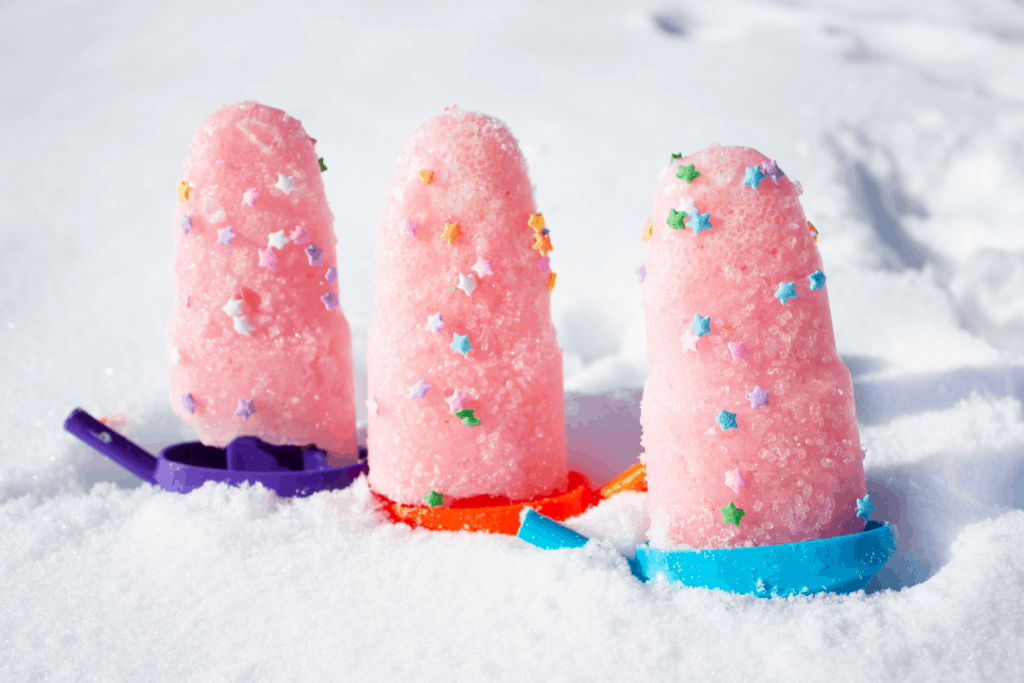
pixel 460 342
pixel 817 279
pixel 701 325
pixel 864 507
pixel 700 221
pixel 786 291
pixel 726 420
pixel 753 176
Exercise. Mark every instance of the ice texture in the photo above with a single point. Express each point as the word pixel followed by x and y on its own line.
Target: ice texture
pixel 256 326
pixel 799 456
pixel 477 206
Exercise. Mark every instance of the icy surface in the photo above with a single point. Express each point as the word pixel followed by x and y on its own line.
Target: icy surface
pixel 904 125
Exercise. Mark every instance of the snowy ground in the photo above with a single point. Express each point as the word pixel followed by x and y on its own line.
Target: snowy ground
pixel 905 124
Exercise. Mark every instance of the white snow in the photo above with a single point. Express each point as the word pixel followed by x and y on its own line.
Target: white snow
pixel 902 121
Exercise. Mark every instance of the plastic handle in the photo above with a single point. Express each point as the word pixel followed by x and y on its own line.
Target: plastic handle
pixel 128 455
pixel 548 534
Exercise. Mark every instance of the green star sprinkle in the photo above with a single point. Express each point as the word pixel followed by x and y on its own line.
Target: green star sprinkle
pixel 731 514
pixel 434 499
pixel 687 173
pixel 676 156
pixel 467 417
pixel 323 166
pixel 675 219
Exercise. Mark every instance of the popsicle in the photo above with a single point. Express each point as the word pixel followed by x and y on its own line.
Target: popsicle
pixel 258 344
pixel 748 415
pixel 463 369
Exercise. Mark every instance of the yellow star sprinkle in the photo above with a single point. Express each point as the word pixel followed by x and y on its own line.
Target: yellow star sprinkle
pixel 536 222
pixel 543 244
pixel 551 280
pixel 451 232
pixel 648 230
pixel 813 229
pixel 427 177
pixel 183 191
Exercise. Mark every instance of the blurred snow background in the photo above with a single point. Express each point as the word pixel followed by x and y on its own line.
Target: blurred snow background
pixel 905 124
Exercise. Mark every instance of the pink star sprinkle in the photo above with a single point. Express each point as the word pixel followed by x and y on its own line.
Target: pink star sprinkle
pixel 482 267
pixel 734 480
pixel 457 401
pixel 268 259
pixel 219 162
pixel 249 196
pixel 372 408
pixel 299 235
pixel 737 350
pixel 690 340
pixel 409 227
pixel 544 264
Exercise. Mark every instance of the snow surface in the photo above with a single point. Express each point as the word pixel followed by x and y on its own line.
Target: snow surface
pixel 903 121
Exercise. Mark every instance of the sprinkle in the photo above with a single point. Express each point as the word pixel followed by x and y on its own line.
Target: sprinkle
pixel 268 259
pixel 277 240
pixel 188 300
pixel 245 409
pixel 690 340
pixel 457 401
pixel 674 157
pixel 810 226
pixel 466 283
pixel 731 514
pixel 249 197
pixel 315 254
pixel 312 141
pixel 703 222
pixel 675 219
pixel 734 480
pixel 536 222
pixel 687 173
pixel 772 170
pixel 409 227
pixel 467 417
pixel 434 323
pixel 285 183
pixel 243 326
pixel 175 355
pixel 323 166
pixel 372 408
pixel 300 235
pixel 183 189
pixel 434 499
pixel 451 232
pixel 544 264
pixel 753 176
pixel 543 244
pixel 331 275
pixel 330 300
pixel 186 224
pixel 758 397
pixel 418 390
pixel 786 291
pixel 233 307
pixel 551 280
pixel 224 236
pixel 219 162
pixel 726 420
pixel 701 325
pixel 189 403
pixel 817 279
pixel 482 267
pixel 460 342
pixel 738 351
pixel 648 230
pixel 864 507
pixel 687 205
pixel 642 273
pixel 427 177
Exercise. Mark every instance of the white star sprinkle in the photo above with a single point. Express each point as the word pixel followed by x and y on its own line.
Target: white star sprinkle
pixel 175 355
pixel 277 240
pixel 242 325
pixel 688 206
pixel 285 183
pixel 233 307
pixel 434 323
pixel 466 283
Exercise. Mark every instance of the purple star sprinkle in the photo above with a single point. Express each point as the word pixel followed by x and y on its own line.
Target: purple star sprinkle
pixel 245 409
pixel 186 224
pixel 409 227
pixel 758 397
pixel 418 390
pixel 188 403
pixel 315 254
pixel 642 273
pixel 332 275
pixel 771 169
pixel 330 300
pixel 224 236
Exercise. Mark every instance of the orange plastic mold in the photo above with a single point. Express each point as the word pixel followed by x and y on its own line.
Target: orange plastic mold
pixel 633 479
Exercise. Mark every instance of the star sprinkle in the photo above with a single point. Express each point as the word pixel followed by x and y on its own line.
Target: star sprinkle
pixel 330 300
pixel 814 231
pixel 331 275
pixel 300 235
pixel 434 323
pixel 224 236
pixel 243 326
pixel 701 325
pixel 277 240
pixel 758 397
pixel 687 205
pixel 249 197
pixel 641 273
pixel 409 227
pixel 551 280
pixel 466 283
pixel 189 403
pixel 700 222
pixel 315 254
pixel 864 507
pixel 233 307
pixel 674 157
pixel 418 390
pixel 268 259
pixel 460 342
pixel 731 514
pixel 726 420
pixel 536 222
pixel 467 417
pixel 434 499
pixel 738 350
pixel 687 173
pixel 786 291
pixel 648 230
pixel 544 264
pixel 542 244
pixel 675 219
pixel 457 401
pixel 186 224
pixel 245 409
pixel 175 355
pixel 183 189
pixel 219 162
pixel 690 340
pixel 323 166
pixel 451 232
pixel 753 176
pixel 427 177
pixel 372 408
pixel 771 169
pixel 817 279
pixel 482 267
pixel 285 183
pixel 734 480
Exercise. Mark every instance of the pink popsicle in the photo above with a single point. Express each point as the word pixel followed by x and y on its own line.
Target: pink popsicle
pixel 258 344
pixel 462 323
pixel 748 413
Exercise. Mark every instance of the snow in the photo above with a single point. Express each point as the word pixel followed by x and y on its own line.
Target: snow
pixel 902 121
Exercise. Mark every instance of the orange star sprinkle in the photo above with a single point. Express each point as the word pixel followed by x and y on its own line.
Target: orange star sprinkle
pixel 183 191
pixel 451 232
pixel 551 280
pixel 648 230
pixel 543 244
pixel 427 177
pixel 813 229
pixel 536 222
